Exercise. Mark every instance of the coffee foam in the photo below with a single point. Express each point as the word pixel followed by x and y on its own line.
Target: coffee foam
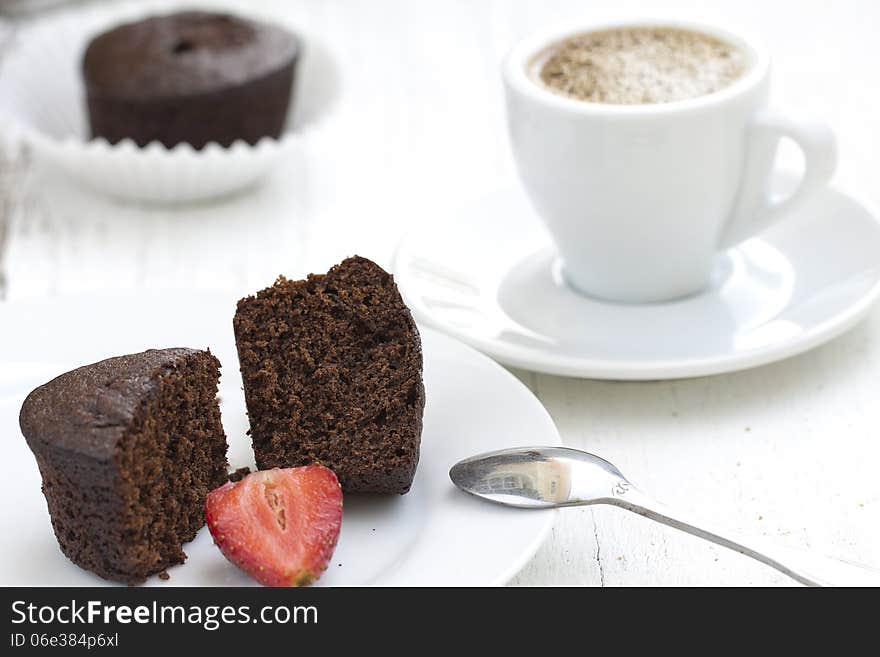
pixel 632 66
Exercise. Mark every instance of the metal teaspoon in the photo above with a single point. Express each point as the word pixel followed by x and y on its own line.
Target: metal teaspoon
pixel 551 477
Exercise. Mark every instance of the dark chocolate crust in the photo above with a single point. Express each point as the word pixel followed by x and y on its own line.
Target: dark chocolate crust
pixel 128 449
pixel 332 371
pixel 194 77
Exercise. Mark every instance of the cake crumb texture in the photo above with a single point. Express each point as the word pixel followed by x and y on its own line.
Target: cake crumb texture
pixel 332 371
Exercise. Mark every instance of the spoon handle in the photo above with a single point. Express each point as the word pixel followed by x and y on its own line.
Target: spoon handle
pixel 806 567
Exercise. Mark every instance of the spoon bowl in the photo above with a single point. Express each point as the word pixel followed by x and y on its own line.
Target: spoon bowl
pixel 538 477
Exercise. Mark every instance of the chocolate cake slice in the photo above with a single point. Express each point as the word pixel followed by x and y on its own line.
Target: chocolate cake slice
pixel 332 370
pixel 128 449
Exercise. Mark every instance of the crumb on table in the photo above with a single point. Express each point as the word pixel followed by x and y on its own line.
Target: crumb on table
pixel 239 474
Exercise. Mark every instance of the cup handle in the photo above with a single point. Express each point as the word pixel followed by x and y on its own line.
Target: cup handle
pixel 755 210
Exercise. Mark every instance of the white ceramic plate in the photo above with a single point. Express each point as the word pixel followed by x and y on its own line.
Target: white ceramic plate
pixel 486 273
pixel 434 535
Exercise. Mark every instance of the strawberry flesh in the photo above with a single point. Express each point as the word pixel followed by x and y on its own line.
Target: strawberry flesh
pixel 280 526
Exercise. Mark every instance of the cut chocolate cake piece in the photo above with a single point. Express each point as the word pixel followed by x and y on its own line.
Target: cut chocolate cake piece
pixel 332 370
pixel 128 449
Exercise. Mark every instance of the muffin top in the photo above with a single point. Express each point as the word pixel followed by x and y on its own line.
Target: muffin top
pixel 88 409
pixel 182 54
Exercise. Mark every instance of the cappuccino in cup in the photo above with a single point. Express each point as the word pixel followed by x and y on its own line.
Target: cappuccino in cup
pixel 639 65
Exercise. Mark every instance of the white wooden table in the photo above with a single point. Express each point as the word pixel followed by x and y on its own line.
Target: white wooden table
pixel 790 450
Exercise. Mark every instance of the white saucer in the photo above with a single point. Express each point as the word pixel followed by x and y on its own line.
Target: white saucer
pixel 435 535
pixel 487 274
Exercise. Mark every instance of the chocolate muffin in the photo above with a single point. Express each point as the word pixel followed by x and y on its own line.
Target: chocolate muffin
pixel 193 76
pixel 332 370
pixel 128 449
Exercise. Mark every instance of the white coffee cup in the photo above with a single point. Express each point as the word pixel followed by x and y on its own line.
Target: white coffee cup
pixel 639 199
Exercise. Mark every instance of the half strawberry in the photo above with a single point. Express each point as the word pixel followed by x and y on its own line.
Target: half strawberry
pixel 280 526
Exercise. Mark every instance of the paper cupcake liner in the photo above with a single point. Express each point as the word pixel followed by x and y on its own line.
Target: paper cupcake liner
pixel 42 101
